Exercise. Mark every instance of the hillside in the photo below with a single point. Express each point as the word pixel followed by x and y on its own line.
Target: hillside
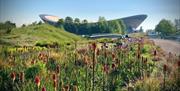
pixel 33 34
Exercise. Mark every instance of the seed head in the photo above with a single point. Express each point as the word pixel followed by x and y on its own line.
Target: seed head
pixel 165 67
pixel 155 52
pixel 54 77
pixel 145 61
pixel 22 76
pixel 106 68
pixel 43 89
pixel 57 68
pixel 75 88
pixel 94 46
pixel 113 66
pixel 66 88
pixel 179 63
pixel 13 76
pixel 113 55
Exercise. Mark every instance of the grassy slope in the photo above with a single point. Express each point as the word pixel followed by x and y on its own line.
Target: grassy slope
pixel 45 33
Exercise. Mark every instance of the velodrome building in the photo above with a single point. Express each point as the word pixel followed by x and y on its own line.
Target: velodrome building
pixel 131 22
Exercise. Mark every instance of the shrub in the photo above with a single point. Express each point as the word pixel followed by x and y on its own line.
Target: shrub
pixel 38 68
pixel 51 64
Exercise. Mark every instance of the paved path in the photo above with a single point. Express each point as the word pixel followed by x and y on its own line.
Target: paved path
pixel 168 45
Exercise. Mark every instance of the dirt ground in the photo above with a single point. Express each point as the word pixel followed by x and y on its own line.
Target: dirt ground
pixel 168 45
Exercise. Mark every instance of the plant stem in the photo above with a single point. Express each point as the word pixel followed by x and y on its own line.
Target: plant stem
pixel 86 79
pixel 93 69
pixel 164 79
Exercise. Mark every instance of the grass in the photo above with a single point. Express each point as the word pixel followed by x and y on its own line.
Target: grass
pixel 44 33
pixel 84 65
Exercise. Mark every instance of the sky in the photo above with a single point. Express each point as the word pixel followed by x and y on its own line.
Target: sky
pixel 27 11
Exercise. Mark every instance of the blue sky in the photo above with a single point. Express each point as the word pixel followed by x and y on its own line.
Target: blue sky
pixel 27 11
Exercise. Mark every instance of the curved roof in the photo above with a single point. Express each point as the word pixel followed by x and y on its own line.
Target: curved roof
pixel 49 18
pixel 130 22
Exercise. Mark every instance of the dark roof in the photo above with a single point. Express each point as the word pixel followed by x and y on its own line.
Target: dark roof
pixel 134 21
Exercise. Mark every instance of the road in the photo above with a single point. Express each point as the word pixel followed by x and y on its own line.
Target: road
pixel 168 45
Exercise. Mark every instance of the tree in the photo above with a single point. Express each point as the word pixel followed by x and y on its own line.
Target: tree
pixel 40 22
pixel 101 19
pixel 141 29
pixel 84 21
pixel 60 23
pixel 103 25
pixel 34 23
pixel 23 25
pixel 165 27
pixel 77 20
pixel 123 27
pixel 84 28
pixel 115 27
pixel 76 23
pixel 7 27
pixel 68 20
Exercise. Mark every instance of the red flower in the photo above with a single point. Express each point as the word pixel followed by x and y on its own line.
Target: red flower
pixel 113 66
pixel 37 80
pixel 138 56
pixel 155 53
pixel 66 88
pixel 54 77
pixel 165 67
pixel 57 68
pixel 22 76
pixel 43 89
pixel 94 46
pixel 13 76
pixel 106 68
pixel 178 63
pixel 113 55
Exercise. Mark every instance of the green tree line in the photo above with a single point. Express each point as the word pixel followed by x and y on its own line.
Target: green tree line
pixel 84 27
pixel 166 28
